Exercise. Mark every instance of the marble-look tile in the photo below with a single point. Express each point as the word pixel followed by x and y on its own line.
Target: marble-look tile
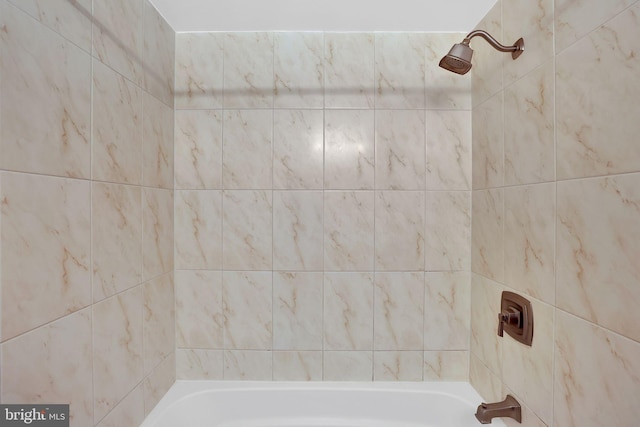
pixel 349 63
pixel 117 127
pixel 158 55
pixel 159 382
pixel 529 240
pixel 485 342
pixel 72 20
pixel 399 230
pixel 488 386
pixel 596 375
pixel 194 364
pixel 529 132
pixel 247 149
pixel 447 306
pixel 444 90
pixel 398 311
pixel 198 229
pixel 118 38
pixel 397 365
pixel 446 366
pixel 248 311
pixel 199 317
pixel 597 125
pixel 129 412
pixel 348 312
pixel 297 311
pixel 248 365
pixel 159 321
pixel 528 371
pixel 157 232
pixel 533 21
pixel 117 349
pixel 401 145
pixel 248 70
pixel 297 366
pixel 46 99
pixel 157 143
pixel 199 70
pixel 298 69
pixel 348 366
pixel 116 238
pixel 598 247
pixel 46 248
pixel 348 231
pixel 448 150
pixel 448 230
pixel 487 233
pixel 486 74
pixel 298 149
pixel 576 18
pixel 198 150
pixel 400 70
pixel 52 364
pixel 529 418
pixel 488 144
pixel 349 150
pixel 247 230
pixel 297 230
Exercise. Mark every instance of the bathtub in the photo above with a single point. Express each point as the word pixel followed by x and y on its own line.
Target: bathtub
pixel 316 404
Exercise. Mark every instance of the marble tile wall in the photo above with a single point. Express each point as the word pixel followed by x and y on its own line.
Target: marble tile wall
pixel 322 206
pixel 556 210
pixel 86 166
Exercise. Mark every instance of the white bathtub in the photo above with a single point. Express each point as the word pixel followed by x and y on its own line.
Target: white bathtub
pixel 316 404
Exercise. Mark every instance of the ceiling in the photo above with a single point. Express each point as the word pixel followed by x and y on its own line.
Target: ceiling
pixel 323 15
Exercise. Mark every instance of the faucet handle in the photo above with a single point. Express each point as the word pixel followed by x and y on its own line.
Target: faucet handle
pixel 510 316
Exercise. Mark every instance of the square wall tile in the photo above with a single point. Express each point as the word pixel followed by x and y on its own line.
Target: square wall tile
pixel 199 311
pixel 529 240
pixel 298 69
pixel 400 65
pixel 398 311
pixel 397 366
pixel 117 127
pixel 158 327
pixel 247 149
pixel 446 366
pixel 592 116
pixel 129 412
pixel 46 99
pixel 157 143
pixel 158 383
pixel 298 149
pixel 487 236
pixel 447 310
pixel 297 230
pixel 348 312
pixel 157 232
pixel 488 143
pixel 297 366
pixel 45 223
pixel 158 55
pixel 52 364
pixel 487 384
pixel 247 230
pixel 199 70
pixel 198 150
pixel 400 150
pixel 598 246
pixel 349 150
pixel 297 311
pixel 399 230
pixel 195 364
pixel 117 349
pixel 198 229
pixel 448 150
pixel 348 366
pixel 486 74
pixel 248 310
pixel 349 63
pixel 248 70
pixel 348 230
pixel 486 345
pixel 248 365
pixel 116 238
pixel 448 230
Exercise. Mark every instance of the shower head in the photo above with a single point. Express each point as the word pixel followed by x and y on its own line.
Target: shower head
pixel 458 60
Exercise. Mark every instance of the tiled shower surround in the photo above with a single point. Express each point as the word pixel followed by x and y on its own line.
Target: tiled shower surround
pixel 321 186
pixel 322 207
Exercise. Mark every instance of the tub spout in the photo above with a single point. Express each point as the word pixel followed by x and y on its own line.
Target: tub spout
pixel 509 408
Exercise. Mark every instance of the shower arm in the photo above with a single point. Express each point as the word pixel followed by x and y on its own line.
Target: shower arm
pixel 516 50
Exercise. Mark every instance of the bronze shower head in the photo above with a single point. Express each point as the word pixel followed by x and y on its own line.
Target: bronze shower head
pixel 458 60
